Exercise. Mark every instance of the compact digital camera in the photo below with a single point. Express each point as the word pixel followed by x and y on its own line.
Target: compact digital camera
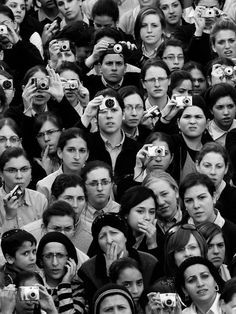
pixel 64 45
pixel 107 103
pixel 6 84
pixel 223 71
pixel 155 151
pixel 153 111
pixel 41 83
pixel 3 30
pixel 29 293
pixel 17 191
pixel 117 48
pixel 209 12
pixel 168 299
pixel 183 101
pixel 71 84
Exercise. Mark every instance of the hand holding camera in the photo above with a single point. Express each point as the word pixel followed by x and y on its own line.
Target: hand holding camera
pixel 70 271
pixel 55 88
pixel 91 110
pixel 11 201
pixel 83 95
pixel 159 301
pixel 8 35
pixel 169 111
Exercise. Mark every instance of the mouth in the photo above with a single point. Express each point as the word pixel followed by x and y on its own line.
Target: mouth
pixel 100 195
pixel 202 292
pixel 228 52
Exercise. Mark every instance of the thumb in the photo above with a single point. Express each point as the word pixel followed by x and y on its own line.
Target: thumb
pixel 45 153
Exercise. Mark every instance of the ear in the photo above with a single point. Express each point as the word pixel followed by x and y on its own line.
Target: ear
pixel 125 68
pixel 197 166
pixel 143 84
pixel 15 25
pixel 178 123
pixel 213 48
pixel 214 198
pixel 100 67
pixel 209 82
pixel 59 153
pixel 207 122
pixel 9 259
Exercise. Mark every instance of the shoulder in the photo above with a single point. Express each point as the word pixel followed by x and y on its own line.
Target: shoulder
pixel 50 178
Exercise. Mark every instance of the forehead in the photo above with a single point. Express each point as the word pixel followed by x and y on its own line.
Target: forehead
pixel 4 18
pixel 54 247
pixel 29 282
pixel 213 157
pixel 168 2
pixel 68 74
pixel 114 300
pixel 47 125
pixel 103 19
pixel 224 34
pixel 107 229
pixel 61 220
pixel 16 1
pixel 224 101
pixel 98 173
pixel 130 273
pixel 108 39
pixel 39 74
pixel 159 185
pixel 195 190
pixel 185 84
pixel 26 245
pixel 193 110
pixel 196 73
pixel 151 18
pixel 7 130
pixel 76 142
pixel 195 269
pixel 155 70
pixel 133 99
pixel 173 50
pixel 113 57
pixel 160 143
pixel 209 3
pixel 21 160
pixel 73 191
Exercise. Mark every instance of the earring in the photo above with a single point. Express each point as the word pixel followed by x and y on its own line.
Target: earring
pixel 216 288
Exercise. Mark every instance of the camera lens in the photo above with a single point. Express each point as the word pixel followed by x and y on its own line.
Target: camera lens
pixel 186 101
pixel 118 48
pixel 109 103
pixel 6 84
pixel 228 71
pixel 168 302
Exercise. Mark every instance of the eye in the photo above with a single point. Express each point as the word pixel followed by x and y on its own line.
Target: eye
pixel 81 198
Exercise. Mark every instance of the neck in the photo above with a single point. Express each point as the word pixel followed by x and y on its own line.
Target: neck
pixel 203 307
pixel 151 47
pixel 39 109
pixel 66 170
pixel 114 138
pixel 79 17
pixel 193 143
pixel 129 130
pixel 99 206
pixel 53 283
pixel 51 12
pixel 222 127
pixel 160 102
pixel 170 28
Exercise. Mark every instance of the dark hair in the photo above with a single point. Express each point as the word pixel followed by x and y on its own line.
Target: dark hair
pixel 198 101
pixel 23 276
pixel 13 239
pixel 11 124
pixel 229 290
pixel 215 92
pixel 107 8
pixel 120 264
pixel 170 42
pixel 3 102
pixel 128 91
pixel 64 181
pixel 112 93
pixel 5 10
pixel 71 133
pixel 194 179
pixel 221 24
pixel 177 77
pixel 209 230
pixel 220 60
pixel 139 20
pixel 11 152
pixel 154 62
pixel 71 66
pixel 107 32
pixel 191 65
pixel 58 208
pixel 95 164
pixel 42 118
pixel 31 72
pixel 163 137
pixel 134 196
pixel 213 147
pixel 122 54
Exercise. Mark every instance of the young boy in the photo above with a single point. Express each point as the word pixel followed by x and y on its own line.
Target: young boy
pixel 19 249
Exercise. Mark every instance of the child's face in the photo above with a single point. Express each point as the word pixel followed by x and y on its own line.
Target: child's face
pixel 25 257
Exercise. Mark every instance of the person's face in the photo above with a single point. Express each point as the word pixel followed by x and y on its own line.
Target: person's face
pixel 132 279
pixel 216 250
pixel 48 4
pixel 133 110
pixel 213 165
pixel 63 224
pixel 200 284
pixel 41 97
pixel 25 257
pixel 98 187
pixel 230 307
pixel 9 93
pixel 159 88
pixel 74 155
pixel 166 198
pixel 8 138
pixel 17 171
pixel 115 304
pixel 151 29
pixel 190 249
pixel 209 21
pixel 185 88
pixel 199 82
pixel 160 162
pixel 143 212
pixel 18 8
pixel 75 197
pixel 101 21
pixel 224 112
pixel 26 306
pixel 65 56
pixel 48 136
pixel 173 57
pixel 109 236
pixel 225 44
pixel 172 10
pixel 54 258
pixel 113 68
pixel 110 119
pixel 71 94
pixel 70 9
pixel 147 3
pixel 192 122
pixel 199 203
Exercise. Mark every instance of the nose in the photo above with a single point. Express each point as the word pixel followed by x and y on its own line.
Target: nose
pixel 46 137
pixel 147 216
pixel 66 5
pixel 192 119
pixel 134 289
pixel 157 83
pixel 199 282
pixel 149 28
pixel 196 83
pixel 160 200
pixel 226 111
pixel 187 252
pixel 176 60
pixel 215 249
pixel 109 239
pixel 54 261
pixel 213 170
pixel 8 143
pixel 77 155
pixel 134 111
pixel 75 203
pixel 114 67
pixel 227 45
pixel 109 113
pixel 18 174
pixel 195 203
pixel 99 186
pixel 32 256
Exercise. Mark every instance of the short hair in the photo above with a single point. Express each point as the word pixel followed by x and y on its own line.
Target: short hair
pixel 213 147
pixel 112 93
pixel 31 72
pixel 154 62
pixel 11 124
pixel 163 137
pixel 121 264
pixel 65 181
pixel 13 239
pixel 177 77
pixel 229 290
pixel 12 152
pixel 69 66
pixel 122 54
pixel 109 32
pixel 71 133
pixel 58 208
pixel 140 17
pixel 23 276
pixel 209 230
pixel 128 91
pixel 95 164
pixel 221 24
pixel 220 90
pixel 107 8
pixel 42 118
pixel 5 10
pixel 172 42
pixel 194 179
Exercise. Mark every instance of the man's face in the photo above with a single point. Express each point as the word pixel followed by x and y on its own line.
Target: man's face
pixel 113 68
pixel 63 224
pixel 101 21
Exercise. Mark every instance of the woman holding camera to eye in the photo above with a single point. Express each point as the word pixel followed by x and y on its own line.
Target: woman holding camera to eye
pixel 221 70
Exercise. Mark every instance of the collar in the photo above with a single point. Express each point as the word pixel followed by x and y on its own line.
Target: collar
pixel 30 112
pixel 108 144
pixel 214 309
pixel 134 135
pixel 219 220
pixel 43 16
pixel 151 54
pixel 116 86
pixel 217 132
pixel 95 212
pixel 220 189
pixel 166 224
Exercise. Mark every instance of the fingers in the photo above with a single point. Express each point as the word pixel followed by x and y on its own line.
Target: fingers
pixel 112 251
pixel 45 153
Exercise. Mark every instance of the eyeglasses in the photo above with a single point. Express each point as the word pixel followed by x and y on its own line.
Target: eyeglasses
pixel 62 229
pixel 11 139
pixel 59 256
pixel 15 170
pixel 95 183
pixel 153 80
pixel 130 108
pixel 48 133
pixel 173 58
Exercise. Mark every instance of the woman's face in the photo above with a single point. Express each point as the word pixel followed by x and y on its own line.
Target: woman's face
pixel 190 249
pixel 9 92
pixel 225 43
pixel 18 8
pixel 200 284
pixel 192 122
pixel 199 82
pixel 160 162
pixel 156 82
pixel 185 88
pixel 71 94
pixel 17 171
pixel 8 138
pixel 132 279
pixel 213 165
pixel 70 9
pixel 41 97
pixel 216 250
pixel 173 57
pixel 115 304
pixel 48 136
pixel 143 212
pixel 111 238
pixel 172 10
pixel 151 30
pixel 166 198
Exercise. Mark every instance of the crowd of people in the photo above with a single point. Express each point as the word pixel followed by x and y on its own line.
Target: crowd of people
pixel 118 156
